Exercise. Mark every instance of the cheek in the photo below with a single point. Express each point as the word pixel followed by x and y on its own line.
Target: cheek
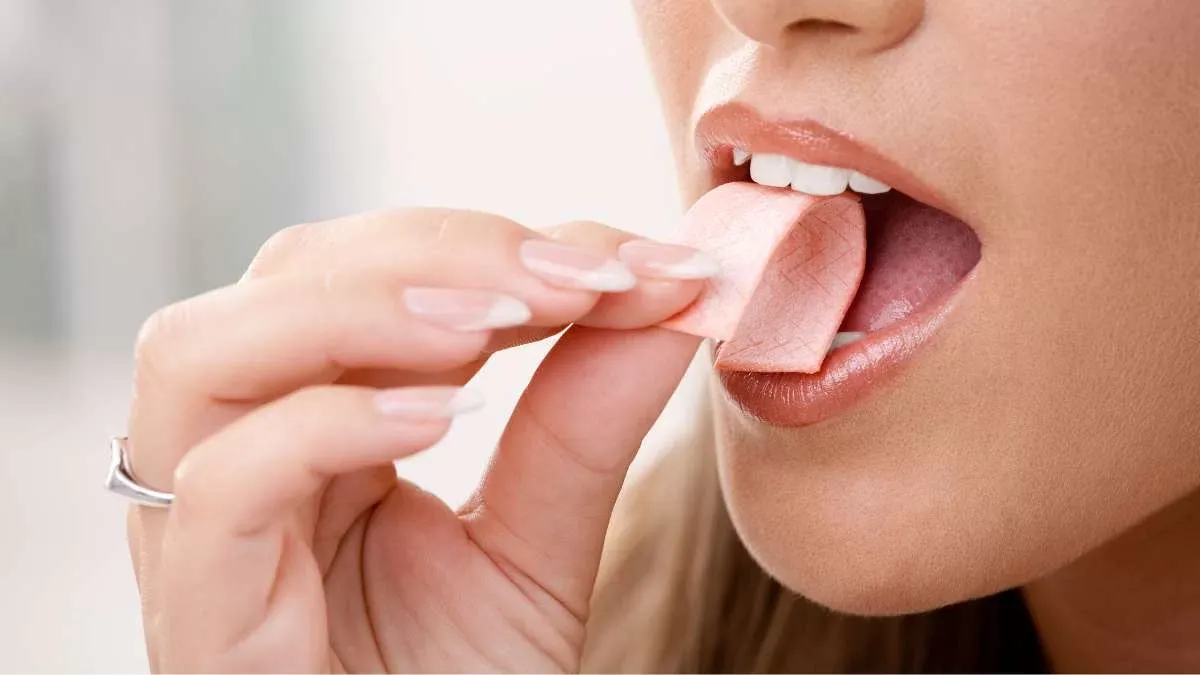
pixel 681 39
pixel 1094 226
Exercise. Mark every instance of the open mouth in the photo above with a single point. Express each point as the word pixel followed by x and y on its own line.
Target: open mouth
pixel 918 258
pixel 915 253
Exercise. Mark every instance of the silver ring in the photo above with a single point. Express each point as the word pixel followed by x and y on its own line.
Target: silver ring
pixel 121 480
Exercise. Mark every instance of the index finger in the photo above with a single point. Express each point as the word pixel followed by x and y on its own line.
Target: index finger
pixel 670 278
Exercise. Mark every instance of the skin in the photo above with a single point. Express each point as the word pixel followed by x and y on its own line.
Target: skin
pixel 1048 437
pixel 291 545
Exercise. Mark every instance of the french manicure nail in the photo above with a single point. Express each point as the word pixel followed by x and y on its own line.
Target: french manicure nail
pixel 666 261
pixel 419 403
pixel 573 267
pixel 465 309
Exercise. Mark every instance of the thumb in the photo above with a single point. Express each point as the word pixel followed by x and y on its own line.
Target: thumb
pixel 545 503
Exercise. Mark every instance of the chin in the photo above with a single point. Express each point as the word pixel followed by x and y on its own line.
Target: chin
pixel 864 573
pixel 862 538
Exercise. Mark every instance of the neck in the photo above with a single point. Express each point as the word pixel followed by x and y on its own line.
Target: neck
pixel 1132 605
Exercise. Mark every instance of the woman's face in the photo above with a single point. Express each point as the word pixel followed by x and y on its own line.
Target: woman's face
pixel 1058 400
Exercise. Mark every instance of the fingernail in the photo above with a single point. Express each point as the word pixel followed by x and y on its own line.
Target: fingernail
pixel 667 261
pixel 465 309
pixel 573 267
pixel 427 402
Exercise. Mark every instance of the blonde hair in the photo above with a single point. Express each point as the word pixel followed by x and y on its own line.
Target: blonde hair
pixel 679 593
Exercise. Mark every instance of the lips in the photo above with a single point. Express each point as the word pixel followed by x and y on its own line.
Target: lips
pixel 730 126
pixel 919 259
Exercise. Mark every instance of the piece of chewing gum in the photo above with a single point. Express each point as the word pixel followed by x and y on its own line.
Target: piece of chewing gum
pixel 790 266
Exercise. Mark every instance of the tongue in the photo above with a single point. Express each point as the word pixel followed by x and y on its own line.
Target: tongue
pixel 790 263
pixel 915 253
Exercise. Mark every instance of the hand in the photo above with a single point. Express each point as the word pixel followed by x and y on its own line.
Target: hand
pixel 274 408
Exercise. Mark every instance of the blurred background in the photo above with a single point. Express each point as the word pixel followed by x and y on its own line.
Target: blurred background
pixel 148 147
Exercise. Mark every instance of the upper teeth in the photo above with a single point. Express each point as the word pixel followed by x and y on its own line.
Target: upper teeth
pixel 813 179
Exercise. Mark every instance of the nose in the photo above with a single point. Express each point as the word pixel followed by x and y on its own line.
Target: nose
pixel 868 25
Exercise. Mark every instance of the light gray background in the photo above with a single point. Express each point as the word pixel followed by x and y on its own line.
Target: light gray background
pixel 147 147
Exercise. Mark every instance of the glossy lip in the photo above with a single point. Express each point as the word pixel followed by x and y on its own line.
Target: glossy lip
pixel 728 125
pixel 852 372
pixel 848 375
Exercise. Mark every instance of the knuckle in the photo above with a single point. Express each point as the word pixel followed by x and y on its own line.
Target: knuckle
pixel 195 483
pixel 604 465
pixel 310 416
pixel 279 247
pixel 315 411
pixel 449 230
pixel 187 486
pixel 586 232
pixel 187 476
pixel 410 226
pixel 311 398
pixel 154 346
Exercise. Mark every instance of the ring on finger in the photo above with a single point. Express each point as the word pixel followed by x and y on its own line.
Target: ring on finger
pixel 122 481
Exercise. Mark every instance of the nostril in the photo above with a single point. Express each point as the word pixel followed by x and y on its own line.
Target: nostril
pixel 868 26
pixel 822 26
